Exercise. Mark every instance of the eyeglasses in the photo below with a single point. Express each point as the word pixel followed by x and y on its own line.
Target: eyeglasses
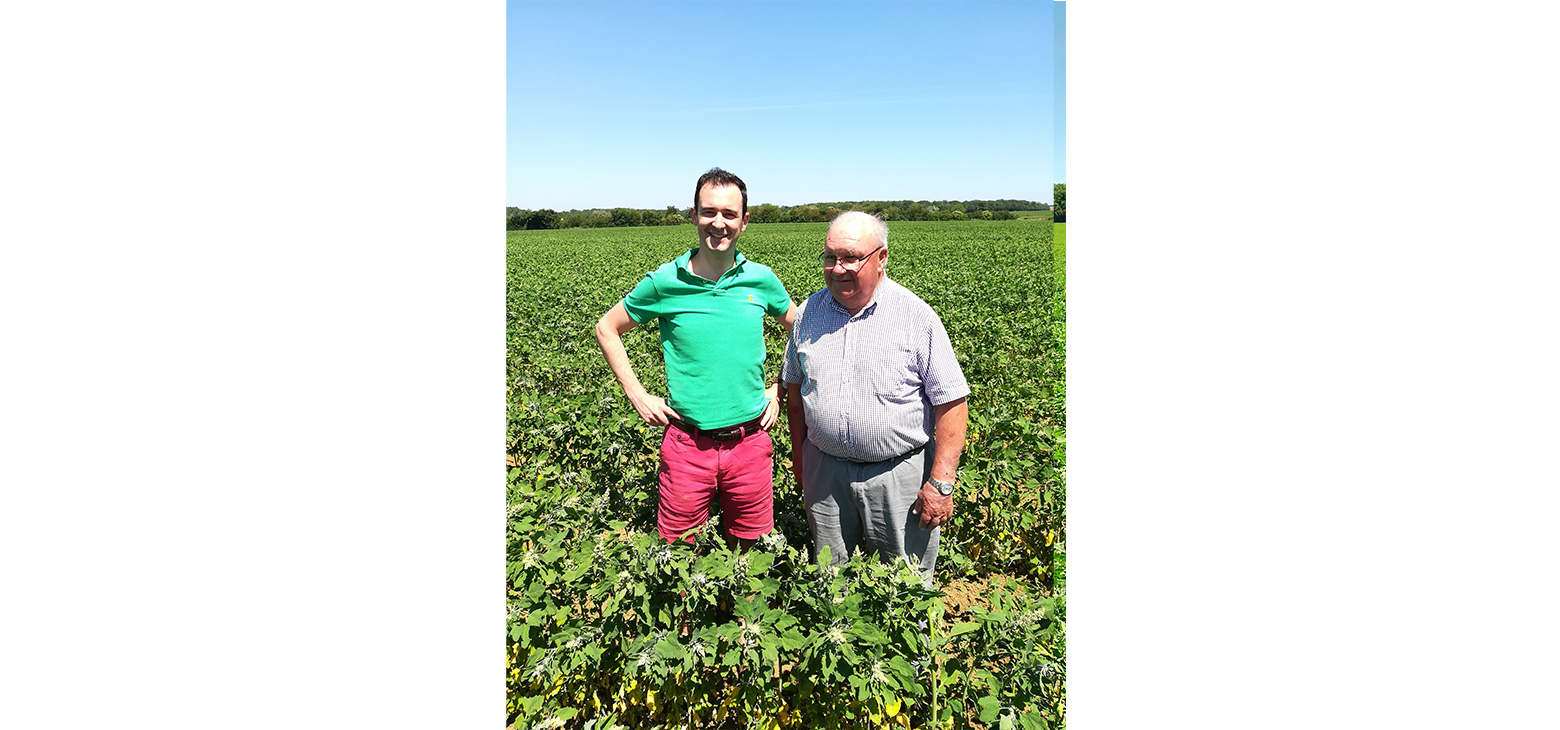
pixel 851 263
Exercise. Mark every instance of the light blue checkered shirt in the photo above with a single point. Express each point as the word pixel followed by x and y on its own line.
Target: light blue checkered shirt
pixel 869 382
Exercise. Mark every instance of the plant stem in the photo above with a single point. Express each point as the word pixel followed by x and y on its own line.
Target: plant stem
pixel 932 620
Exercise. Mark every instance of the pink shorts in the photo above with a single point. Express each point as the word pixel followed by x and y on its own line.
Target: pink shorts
pixel 696 468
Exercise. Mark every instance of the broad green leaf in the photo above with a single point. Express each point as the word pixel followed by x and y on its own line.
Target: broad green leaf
pixel 792 640
pixel 1033 720
pixel 759 562
pixel 868 632
pixel 989 707
pixel 963 627
pixel 670 650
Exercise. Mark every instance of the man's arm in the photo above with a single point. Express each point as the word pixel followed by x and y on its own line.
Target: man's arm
pixel 772 411
pixel 951 419
pixel 798 422
pixel 609 334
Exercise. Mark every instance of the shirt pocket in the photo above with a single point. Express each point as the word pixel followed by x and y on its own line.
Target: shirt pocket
pixel 893 376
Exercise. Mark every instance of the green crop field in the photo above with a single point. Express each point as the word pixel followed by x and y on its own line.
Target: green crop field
pixel 1033 215
pixel 1059 245
pixel 610 627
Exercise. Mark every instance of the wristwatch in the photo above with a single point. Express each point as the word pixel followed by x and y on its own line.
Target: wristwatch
pixel 943 488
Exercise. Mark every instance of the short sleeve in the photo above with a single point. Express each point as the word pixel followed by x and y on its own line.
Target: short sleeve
pixel 776 301
pixel 790 370
pixel 791 367
pixel 644 302
pixel 943 380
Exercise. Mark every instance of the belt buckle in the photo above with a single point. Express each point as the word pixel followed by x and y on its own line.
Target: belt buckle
pixel 726 434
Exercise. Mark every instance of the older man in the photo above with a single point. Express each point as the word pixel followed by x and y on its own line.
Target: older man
pixel 876 405
pixel 711 302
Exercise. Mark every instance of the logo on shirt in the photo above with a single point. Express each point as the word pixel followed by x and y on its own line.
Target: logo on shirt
pixel 750 297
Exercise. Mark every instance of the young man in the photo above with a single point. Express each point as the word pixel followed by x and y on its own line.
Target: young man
pixel 711 302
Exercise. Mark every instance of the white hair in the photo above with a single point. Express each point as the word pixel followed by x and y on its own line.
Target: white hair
pixel 873 222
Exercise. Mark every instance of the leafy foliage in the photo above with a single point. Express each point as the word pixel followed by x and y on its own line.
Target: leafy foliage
pixel 610 627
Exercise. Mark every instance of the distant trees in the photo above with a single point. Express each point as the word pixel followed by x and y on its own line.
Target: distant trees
pixel 766 213
pixel 803 214
pixel 623 218
pixel 1059 198
pixel 518 219
pixel 540 219
pixel 530 220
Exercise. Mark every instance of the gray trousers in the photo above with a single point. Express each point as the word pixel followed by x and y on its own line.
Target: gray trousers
pixel 853 506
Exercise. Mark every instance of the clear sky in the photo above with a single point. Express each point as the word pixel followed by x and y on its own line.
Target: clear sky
pixel 625 103
pixel 1059 90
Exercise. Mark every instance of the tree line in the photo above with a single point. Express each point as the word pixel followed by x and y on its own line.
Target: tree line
pixel 892 210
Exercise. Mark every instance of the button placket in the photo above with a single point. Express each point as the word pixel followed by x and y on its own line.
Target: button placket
pixel 844 385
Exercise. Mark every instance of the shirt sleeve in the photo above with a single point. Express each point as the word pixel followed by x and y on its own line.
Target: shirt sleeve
pixel 791 370
pixel 944 378
pixel 643 303
pixel 776 300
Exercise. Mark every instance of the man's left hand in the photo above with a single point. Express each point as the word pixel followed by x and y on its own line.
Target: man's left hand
pixel 934 509
pixel 771 414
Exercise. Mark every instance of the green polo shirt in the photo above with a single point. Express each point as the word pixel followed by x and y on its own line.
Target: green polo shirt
pixel 712 336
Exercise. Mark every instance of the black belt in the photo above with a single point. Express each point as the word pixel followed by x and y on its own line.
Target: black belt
pixel 905 455
pixel 721 434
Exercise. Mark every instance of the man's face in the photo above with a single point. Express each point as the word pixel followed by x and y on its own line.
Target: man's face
pixel 853 289
pixel 719 216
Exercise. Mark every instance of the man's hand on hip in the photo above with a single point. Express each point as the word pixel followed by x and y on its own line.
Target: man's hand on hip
pixel 934 509
pixel 654 410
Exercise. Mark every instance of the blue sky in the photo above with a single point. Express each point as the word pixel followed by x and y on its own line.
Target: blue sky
pixel 626 103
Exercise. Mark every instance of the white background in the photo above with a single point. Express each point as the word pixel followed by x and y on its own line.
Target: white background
pixel 252 315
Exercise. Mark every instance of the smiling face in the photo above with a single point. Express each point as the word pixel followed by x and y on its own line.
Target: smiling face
pixel 719 217
pixel 853 238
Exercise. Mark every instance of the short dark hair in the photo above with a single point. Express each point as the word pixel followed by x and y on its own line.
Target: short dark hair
pixel 721 178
